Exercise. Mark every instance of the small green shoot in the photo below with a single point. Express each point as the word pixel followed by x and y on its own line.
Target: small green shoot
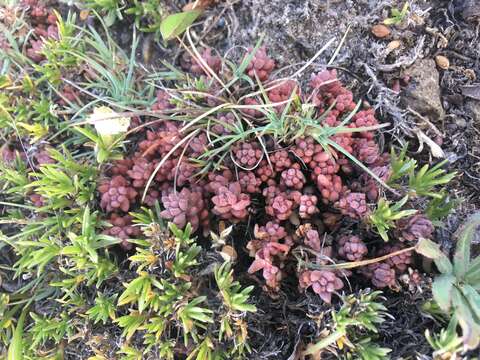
pixel 385 215
pixel 397 16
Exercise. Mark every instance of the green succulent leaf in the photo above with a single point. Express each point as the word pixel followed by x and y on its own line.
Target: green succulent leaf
pixel 467 320
pixel 432 250
pixel 442 290
pixel 461 259
pixel 15 350
pixel 176 24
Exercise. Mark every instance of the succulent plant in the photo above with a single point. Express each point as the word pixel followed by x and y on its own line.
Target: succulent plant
pixel 264 258
pixel 69 94
pixel 117 194
pixel 414 227
pixel 330 187
pixel 365 118
pixel 280 160
pixel 123 229
pixel 247 154
pixel 43 157
pixel 162 141
pixel 230 203
pixel 351 247
pixel 353 205
pixel 366 150
pixel 311 238
pixel 271 231
pixel 224 124
pixel 34 50
pixel 251 111
pixel 280 206
pixel 249 182
pixel 198 145
pixel 121 167
pixel 323 282
pixel 329 91
pixel 218 179
pixel 370 186
pixel 282 92
pixel 37 200
pixel 260 65
pixel 398 262
pixel 152 197
pixel 265 171
pixel 383 275
pixel 214 62
pixel 323 163
pixel 185 172
pixel 166 172
pixel 308 206
pixel 292 178
pixel 304 149
pixel 184 207
pixel 162 101
pixel 140 172
pixel 326 82
pixel 9 154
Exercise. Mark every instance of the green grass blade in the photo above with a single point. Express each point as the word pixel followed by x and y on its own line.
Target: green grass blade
pixel 15 351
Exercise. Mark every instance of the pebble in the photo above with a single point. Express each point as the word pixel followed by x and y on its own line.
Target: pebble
pixel 381 31
pixel 461 122
pixel 442 62
pixel 393 45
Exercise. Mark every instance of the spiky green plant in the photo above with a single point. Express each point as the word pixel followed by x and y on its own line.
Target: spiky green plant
pixel 456 289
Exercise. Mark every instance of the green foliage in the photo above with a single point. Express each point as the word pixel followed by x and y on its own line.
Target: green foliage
pixel 111 10
pixel 384 216
pixel 353 325
pixel 175 24
pixel 234 297
pixel 15 350
pixel 423 182
pixel 167 305
pixel 66 182
pixel 396 15
pixel 447 344
pixel 456 289
pixel 365 349
pixel 148 15
pixel 439 207
pixel 103 309
pixel 45 329
pixel 400 164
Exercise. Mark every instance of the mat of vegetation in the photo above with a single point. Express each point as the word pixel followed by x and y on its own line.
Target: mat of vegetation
pixel 239 180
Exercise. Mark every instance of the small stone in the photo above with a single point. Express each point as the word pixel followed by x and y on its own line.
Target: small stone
pixel 442 62
pixel 228 253
pixel 423 92
pixel 380 31
pixel 460 122
pixel 84 14
pixel 393 45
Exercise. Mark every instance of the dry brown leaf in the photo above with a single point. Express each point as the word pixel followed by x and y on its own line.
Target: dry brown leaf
pixel 199 5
